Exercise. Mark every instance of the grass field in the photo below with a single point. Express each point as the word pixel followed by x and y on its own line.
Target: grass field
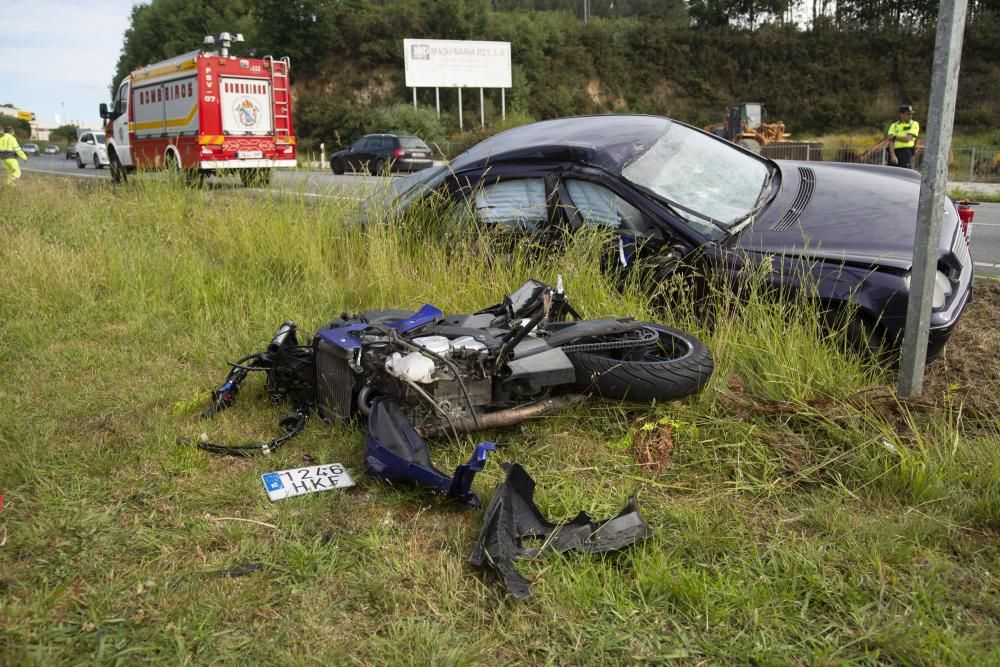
pixel 800 514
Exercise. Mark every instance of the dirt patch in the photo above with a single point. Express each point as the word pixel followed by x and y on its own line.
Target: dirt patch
pixel 968 368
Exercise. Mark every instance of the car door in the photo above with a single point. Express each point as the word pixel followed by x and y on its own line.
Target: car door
pixel 85 148
pixel 356 156
pixel 638 234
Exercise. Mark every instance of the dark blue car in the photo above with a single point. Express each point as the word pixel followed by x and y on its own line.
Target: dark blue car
pixel 676 191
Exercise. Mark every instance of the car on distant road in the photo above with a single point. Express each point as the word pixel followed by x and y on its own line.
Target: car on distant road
pixel 30 149
pixel 90 149
pixel 51 149
pixel 378 153
pixel 71 150
pixel 675 196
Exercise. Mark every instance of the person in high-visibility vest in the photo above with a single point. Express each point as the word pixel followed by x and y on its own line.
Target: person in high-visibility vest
pixel 10 150
pixel 902 137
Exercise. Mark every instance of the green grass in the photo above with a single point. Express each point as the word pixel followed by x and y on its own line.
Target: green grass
pixel 786 530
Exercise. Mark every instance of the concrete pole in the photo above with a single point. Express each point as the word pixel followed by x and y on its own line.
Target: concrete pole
pixel 940 119
pixel 437 100
pixel 503 104
pixel 482 111
pixel 414 97
pixel 460 125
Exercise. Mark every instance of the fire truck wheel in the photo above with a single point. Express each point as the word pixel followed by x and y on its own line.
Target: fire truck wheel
pixel 118 174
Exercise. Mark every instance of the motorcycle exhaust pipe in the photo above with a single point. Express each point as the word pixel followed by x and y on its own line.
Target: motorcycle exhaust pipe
pixel 285 336
pixel 503 418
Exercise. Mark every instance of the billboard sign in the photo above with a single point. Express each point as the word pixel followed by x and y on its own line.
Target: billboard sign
pixel 440 63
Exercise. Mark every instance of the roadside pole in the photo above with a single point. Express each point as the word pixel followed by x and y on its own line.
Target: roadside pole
pixel 940 119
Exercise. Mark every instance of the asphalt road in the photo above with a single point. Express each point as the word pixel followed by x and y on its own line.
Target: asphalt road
pixel 317 184
pixel 323 184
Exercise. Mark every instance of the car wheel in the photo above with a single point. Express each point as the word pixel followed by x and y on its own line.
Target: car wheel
pixel 97 162
pixel 338 167
pixel 79 162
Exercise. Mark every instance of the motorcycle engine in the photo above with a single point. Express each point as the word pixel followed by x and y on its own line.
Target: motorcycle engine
pixel 433 375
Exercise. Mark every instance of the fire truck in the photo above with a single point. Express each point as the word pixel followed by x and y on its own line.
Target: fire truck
pixel 203 113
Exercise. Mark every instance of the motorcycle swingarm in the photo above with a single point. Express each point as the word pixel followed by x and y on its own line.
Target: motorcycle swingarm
pixel 567 333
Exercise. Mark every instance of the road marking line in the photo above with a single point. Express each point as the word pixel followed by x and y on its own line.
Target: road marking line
pixel 61 173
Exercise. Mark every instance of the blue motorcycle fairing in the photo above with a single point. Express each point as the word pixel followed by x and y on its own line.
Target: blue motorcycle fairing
pixel 427 314
pixel 343 337
pixel 394 451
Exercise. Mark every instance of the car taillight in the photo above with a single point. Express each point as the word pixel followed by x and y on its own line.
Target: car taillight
pixel 399 152
pixel 966 214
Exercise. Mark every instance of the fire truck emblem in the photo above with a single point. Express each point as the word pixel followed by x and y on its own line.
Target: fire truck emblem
pixel 246 113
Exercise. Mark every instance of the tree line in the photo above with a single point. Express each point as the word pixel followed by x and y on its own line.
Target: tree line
pixel 819 64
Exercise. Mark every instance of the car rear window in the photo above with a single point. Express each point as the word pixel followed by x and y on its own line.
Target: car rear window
pixel 412 142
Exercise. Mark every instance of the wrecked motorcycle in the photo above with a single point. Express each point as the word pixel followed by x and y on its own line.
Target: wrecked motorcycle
pixel 528 355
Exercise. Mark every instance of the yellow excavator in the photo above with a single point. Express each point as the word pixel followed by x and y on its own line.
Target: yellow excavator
pixel 744 125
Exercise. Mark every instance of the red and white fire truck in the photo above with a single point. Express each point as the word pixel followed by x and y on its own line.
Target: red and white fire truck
pixel 204 113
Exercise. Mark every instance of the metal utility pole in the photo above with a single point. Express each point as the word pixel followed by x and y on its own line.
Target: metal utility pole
pixel 940 119
pixel 586 10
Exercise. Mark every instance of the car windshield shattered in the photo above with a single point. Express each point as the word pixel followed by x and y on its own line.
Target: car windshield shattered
pixel 718 184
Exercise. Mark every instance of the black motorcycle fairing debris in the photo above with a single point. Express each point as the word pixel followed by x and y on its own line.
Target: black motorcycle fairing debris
pixel 394 451
pixel 512 516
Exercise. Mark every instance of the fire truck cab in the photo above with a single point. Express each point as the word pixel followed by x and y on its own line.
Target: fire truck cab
pixel 203 113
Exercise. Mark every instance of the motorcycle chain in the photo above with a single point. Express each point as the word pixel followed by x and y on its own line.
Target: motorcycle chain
pixel 646 337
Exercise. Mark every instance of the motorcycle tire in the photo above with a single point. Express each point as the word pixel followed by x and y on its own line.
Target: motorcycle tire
pixel 676 365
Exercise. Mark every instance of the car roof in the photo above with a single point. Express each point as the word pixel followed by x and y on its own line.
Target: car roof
pixel 608 141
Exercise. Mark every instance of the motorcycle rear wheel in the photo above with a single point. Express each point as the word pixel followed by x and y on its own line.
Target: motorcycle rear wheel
pixel 675 365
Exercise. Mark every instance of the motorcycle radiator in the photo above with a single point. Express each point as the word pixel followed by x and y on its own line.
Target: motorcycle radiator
pixel 334 382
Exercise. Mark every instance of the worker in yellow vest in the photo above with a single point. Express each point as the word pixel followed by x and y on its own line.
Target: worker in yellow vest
pixel 902 137
pixel 10 150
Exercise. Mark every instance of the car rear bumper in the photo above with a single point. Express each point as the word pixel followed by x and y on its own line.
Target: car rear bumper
pixel 411 165
pixel 248 164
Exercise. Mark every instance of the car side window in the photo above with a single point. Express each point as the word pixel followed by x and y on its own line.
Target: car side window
pixel 518 203
pixel 598 205
pixel 360 144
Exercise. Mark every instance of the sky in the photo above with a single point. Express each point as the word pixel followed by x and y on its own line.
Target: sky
pixel 57 57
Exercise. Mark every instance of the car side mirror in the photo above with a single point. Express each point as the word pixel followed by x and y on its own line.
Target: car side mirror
pixel 104 111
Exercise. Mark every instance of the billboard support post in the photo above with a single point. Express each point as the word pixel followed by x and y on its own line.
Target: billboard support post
pixel 414 97
pixel 482 111
pixel 940 119
pixel 461 126
pixel 437 100
pixel 503 104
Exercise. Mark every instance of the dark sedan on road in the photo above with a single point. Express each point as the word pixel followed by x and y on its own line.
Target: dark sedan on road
pixel 669 190
pixel 377 153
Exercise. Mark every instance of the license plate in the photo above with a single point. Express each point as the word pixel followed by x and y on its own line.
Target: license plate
pixel 249 154
pixel 300 481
